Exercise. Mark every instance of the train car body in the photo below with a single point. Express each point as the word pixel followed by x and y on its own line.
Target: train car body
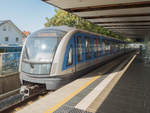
pixel 54 55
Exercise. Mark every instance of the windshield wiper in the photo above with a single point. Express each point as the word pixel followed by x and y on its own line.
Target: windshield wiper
pixel 37 62
pixel 27 54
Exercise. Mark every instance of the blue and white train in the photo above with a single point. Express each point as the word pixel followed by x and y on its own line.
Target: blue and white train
pixel 54 55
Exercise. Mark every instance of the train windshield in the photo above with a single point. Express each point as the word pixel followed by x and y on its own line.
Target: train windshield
pixel 39 51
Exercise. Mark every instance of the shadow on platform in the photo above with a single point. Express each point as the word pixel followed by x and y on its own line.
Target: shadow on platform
pixel 132 92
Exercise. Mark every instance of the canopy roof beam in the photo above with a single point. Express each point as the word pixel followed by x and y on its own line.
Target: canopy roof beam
pixel 110 6
pixel 110 22
pixel 117 16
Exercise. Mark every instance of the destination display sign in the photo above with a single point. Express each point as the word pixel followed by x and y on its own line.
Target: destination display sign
pixel 46 34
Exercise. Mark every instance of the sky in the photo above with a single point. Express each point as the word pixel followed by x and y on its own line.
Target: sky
pixel 28 15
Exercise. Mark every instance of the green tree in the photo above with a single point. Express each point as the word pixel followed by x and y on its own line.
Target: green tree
pixel 64 18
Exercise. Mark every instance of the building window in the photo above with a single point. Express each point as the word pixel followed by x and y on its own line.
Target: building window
pixel 6 39
pixel 70 56
pixel 4 28
pixel 17 39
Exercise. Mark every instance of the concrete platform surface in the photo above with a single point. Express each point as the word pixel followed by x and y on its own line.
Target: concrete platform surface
pixel 132 93
pixel 67 99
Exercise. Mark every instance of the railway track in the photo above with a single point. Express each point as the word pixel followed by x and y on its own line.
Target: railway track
pixel 20 100
pixel 21 105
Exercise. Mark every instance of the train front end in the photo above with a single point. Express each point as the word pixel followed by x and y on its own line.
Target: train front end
pixel 37 58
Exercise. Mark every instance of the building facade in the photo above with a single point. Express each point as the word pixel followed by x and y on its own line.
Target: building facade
pixel 10 34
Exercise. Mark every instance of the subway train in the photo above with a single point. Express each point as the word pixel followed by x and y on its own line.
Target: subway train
pixel 53 55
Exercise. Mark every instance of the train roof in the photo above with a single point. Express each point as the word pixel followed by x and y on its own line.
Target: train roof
pixel 67 29
pixel 61 28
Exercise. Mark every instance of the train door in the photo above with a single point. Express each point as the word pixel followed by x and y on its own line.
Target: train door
pixel 69 58
pixel 79 40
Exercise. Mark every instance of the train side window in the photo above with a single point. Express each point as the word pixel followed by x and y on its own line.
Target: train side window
pixel 103 46
pixel 79 48
pixel 121 46
pixel 70 56
pixel 107 46
pixel 88 49
pixel 110 46
pixel 116 47
pixel 96 47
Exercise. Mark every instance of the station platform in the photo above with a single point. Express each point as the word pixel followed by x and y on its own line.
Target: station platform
pixel 105 90
pixel 132 92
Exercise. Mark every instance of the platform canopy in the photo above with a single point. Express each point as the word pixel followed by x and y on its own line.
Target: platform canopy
pixel 130 18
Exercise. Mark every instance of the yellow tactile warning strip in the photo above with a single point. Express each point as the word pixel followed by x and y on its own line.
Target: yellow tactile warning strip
pixel 96 104
pixel 86 101
pixel 55 107
pixel 67 98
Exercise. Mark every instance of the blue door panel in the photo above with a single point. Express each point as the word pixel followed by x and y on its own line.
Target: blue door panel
pixel 70 42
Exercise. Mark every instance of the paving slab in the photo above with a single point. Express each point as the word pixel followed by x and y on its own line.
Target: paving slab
pixel 132 92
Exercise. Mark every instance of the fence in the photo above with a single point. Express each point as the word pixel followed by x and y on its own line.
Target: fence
pixel 9 62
